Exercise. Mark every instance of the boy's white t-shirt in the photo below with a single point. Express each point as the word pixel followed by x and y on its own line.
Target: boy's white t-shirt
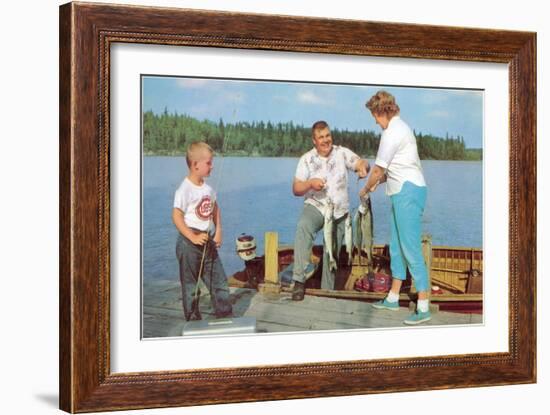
pixel 398 154
pixel 196 203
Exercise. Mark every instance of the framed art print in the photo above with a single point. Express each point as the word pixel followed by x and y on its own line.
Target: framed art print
pixel 143 88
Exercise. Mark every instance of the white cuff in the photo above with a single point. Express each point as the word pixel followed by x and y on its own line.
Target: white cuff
pixel 381 163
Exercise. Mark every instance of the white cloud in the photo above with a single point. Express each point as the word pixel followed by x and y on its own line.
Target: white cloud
pixel 218 92
pixel 310 97
pixel 193 83
pixel 440 114
pixel 281 98
pixel 443 95
pixel 467 93
pixel 432 98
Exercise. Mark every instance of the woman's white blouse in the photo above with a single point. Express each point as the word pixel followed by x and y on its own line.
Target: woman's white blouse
pixel 398 154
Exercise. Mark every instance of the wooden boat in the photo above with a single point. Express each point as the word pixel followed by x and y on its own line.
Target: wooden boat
pixel 261 291
pixel 455 273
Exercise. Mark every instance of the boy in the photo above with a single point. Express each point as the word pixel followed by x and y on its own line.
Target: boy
pixel 195 209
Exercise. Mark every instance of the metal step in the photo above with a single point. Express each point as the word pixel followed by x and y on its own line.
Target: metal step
pixel 234 325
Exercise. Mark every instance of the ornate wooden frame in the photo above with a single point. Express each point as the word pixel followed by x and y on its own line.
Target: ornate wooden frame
pixel 86 33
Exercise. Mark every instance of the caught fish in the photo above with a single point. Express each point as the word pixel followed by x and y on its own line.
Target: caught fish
pixel 364 230
pixel 348 238
pixel 328 233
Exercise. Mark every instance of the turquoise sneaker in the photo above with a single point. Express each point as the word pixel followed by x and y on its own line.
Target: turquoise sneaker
pixel 386 305
pixel 418 318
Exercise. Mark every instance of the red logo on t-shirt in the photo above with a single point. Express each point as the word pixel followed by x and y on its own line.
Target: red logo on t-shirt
pixel 204 208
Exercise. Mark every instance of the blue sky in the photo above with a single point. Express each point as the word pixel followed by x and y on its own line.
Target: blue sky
pixel 426 110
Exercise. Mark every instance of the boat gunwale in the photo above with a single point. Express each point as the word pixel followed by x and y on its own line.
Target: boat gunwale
pixel 382 246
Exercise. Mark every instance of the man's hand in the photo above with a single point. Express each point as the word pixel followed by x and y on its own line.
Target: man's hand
pixel 362 168
pixel 317 184
pixel 300 188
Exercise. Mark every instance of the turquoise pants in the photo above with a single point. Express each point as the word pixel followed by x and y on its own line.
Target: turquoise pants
pixel 406 228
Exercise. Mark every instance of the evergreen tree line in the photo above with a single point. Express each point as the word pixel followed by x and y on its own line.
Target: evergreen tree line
pixel 170 134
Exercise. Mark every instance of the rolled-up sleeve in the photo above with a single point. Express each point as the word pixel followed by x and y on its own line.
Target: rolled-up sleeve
pixel 350 158
pixel 302 172
pixel 389 145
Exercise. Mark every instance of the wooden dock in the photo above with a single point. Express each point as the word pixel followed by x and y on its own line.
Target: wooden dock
pixel 163 315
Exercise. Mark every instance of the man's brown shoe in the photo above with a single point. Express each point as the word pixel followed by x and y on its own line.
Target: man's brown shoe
pixel 298 291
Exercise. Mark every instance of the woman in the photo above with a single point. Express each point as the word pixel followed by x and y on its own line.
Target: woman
pixel 397 163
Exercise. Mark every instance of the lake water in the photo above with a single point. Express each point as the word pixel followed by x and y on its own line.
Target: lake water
pixel 255 196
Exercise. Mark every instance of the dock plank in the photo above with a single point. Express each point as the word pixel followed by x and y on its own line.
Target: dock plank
pixel 163 314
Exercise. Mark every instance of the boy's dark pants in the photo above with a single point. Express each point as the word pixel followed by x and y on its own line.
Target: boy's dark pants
pixel 189 257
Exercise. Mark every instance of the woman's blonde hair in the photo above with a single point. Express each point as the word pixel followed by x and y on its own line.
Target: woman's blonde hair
pixel 383 103
pixel 195 150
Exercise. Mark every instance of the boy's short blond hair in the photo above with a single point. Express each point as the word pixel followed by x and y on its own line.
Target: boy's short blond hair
pixel 194 151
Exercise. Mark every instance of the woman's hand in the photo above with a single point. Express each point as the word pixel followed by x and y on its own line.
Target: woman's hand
pixel 363 192
pixel 373 188
pixel 376 177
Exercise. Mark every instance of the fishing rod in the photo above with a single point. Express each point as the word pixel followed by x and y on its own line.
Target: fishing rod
pixel 233 325
pixel 196 295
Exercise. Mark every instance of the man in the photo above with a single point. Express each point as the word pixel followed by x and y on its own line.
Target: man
pixel 322 178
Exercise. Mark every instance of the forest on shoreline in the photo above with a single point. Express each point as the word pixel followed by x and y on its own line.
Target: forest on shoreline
pixel 170 134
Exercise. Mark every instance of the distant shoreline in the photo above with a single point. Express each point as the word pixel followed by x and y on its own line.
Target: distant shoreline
pixel 244 154
pixel 169 134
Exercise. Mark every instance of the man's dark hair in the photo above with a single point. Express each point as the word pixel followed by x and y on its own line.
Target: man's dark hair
pixel 319 125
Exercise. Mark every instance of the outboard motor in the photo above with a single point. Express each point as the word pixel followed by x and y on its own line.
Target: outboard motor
pixel 246 249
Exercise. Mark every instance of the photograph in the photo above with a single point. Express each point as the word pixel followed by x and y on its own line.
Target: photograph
pixel 292 206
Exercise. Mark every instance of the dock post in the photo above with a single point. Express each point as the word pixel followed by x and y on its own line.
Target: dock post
pixel 427 254
pixel 271 268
